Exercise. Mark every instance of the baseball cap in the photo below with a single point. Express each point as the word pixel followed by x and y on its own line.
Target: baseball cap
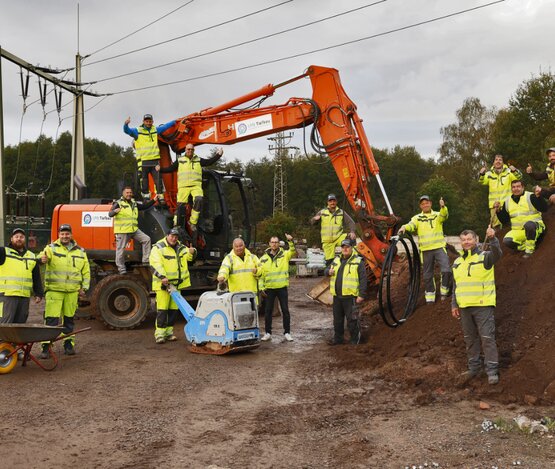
pixel 424 197
pixel 332 197
pixel 549 150
pixel 65 227
pixel 18 230
pixel 147 116
pixel 346 242
pixel 174 231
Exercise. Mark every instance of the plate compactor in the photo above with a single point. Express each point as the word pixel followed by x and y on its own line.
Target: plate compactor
pixel 222 323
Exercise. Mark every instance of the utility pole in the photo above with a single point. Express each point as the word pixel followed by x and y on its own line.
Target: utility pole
pixel 281 155
pixel 78 152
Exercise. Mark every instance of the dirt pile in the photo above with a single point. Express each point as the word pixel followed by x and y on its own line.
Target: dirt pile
pixel 428 352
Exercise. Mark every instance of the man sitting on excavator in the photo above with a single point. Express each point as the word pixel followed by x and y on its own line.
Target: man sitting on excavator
pixel 189 182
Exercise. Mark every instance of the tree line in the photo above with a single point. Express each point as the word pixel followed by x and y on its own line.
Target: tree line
pixel 521 131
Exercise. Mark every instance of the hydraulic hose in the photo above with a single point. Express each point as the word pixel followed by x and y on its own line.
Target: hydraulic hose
pixel 387 311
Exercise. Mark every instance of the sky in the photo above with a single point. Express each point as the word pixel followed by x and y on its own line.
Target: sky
pixel 407 85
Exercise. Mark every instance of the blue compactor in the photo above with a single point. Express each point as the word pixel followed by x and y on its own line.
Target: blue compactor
pixel 222 323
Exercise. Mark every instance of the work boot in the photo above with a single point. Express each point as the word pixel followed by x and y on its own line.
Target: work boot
pixel 45 354
pixel 335 342
pixel 69 349
pixel 171 338
pixel 466 377
pixel 160 340
pixel 493 379
pixel 527 254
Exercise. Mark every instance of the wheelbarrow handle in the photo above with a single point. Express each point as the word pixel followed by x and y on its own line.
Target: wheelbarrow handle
pixel 65 336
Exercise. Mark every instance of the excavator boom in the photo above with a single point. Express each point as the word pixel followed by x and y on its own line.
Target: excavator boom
pixel 337 132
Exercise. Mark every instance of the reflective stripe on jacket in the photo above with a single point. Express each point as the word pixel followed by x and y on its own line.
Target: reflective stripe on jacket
pixel 16 273
pixel 429 228
pixel 170 263
pixel 331 225
pixel 67 270
pixel 474 284
pixel 146 145
pixel 189 172
pixel 350 281
pixel 239 272
pixel 522 211
pixel 275 271
pixel 127 220
pixel 499 184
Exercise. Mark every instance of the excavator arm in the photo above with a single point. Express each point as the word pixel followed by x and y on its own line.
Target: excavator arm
pixel 337 132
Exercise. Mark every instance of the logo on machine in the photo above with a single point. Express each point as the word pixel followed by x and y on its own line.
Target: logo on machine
pixel 96 219
pixel 254 125
pixel 207 133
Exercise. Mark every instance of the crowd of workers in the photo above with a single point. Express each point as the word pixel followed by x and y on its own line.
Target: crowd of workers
pixel 469 280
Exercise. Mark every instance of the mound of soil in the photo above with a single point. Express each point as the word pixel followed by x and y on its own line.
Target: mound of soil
pixel 428 353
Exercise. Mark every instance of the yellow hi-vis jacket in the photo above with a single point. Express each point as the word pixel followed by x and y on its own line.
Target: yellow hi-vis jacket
pixel 522 212
pixel 499 184
pixel 350 285
pixel 239 272
pixel 474 284
pixel 170 263
pixel 275 271
pixel 331 225
pixel 429 228
pixel 67 269
pixel 550 175
pixel 16 273
pixel 189 172
pixel 127 220
pixel 146 145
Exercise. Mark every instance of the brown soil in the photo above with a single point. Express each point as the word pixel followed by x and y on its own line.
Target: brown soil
pixel 124 401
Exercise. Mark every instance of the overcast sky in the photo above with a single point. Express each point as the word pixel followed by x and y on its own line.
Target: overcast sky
pixel 407 85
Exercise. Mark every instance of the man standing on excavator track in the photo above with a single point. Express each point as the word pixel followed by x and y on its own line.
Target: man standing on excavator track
pixel 333 222
pixel 189 182
pixel 148 153
pixel 549 174
pixel 169 261
pixel 126 226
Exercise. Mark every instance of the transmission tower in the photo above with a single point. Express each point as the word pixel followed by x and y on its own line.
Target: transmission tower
pixel 280 148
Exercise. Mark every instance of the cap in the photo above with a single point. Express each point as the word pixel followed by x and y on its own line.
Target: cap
pixel 346 242
pixel 18 230
pixel 424 197
pixel 147 116
pixel 549 150
pixel 65 227
pixel 174 231
pixel 332 197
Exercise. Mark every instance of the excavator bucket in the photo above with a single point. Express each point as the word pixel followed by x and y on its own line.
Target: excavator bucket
pixel 321 292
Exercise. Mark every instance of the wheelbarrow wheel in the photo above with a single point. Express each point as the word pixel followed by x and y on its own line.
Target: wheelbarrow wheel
pixel 7 364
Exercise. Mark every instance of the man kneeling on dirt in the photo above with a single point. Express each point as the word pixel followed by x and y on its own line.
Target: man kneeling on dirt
pixel 348 286
pixel 66 277
pixel 169 261
pixel 474 302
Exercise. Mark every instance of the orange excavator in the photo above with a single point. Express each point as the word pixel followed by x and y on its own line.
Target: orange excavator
pixel 336 132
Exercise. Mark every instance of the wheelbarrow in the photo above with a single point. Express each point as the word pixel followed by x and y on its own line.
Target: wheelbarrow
pixel 21 337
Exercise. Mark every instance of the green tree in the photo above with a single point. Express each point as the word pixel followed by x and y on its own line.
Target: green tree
pixel 526 127
pixel 467 144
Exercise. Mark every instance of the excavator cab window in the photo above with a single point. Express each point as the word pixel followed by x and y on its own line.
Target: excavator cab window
pixel 236 201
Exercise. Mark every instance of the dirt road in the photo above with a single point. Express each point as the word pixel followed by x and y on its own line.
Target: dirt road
pixel 124 401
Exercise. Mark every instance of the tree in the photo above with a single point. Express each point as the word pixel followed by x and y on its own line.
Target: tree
pixel 527 126
pixel 467 144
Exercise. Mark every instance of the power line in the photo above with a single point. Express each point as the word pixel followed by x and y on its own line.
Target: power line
pixel 138 30
pixel 189 34
pixel 301 54
pixel 267 36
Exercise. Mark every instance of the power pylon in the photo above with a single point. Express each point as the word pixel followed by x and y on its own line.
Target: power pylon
pixel 280 148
